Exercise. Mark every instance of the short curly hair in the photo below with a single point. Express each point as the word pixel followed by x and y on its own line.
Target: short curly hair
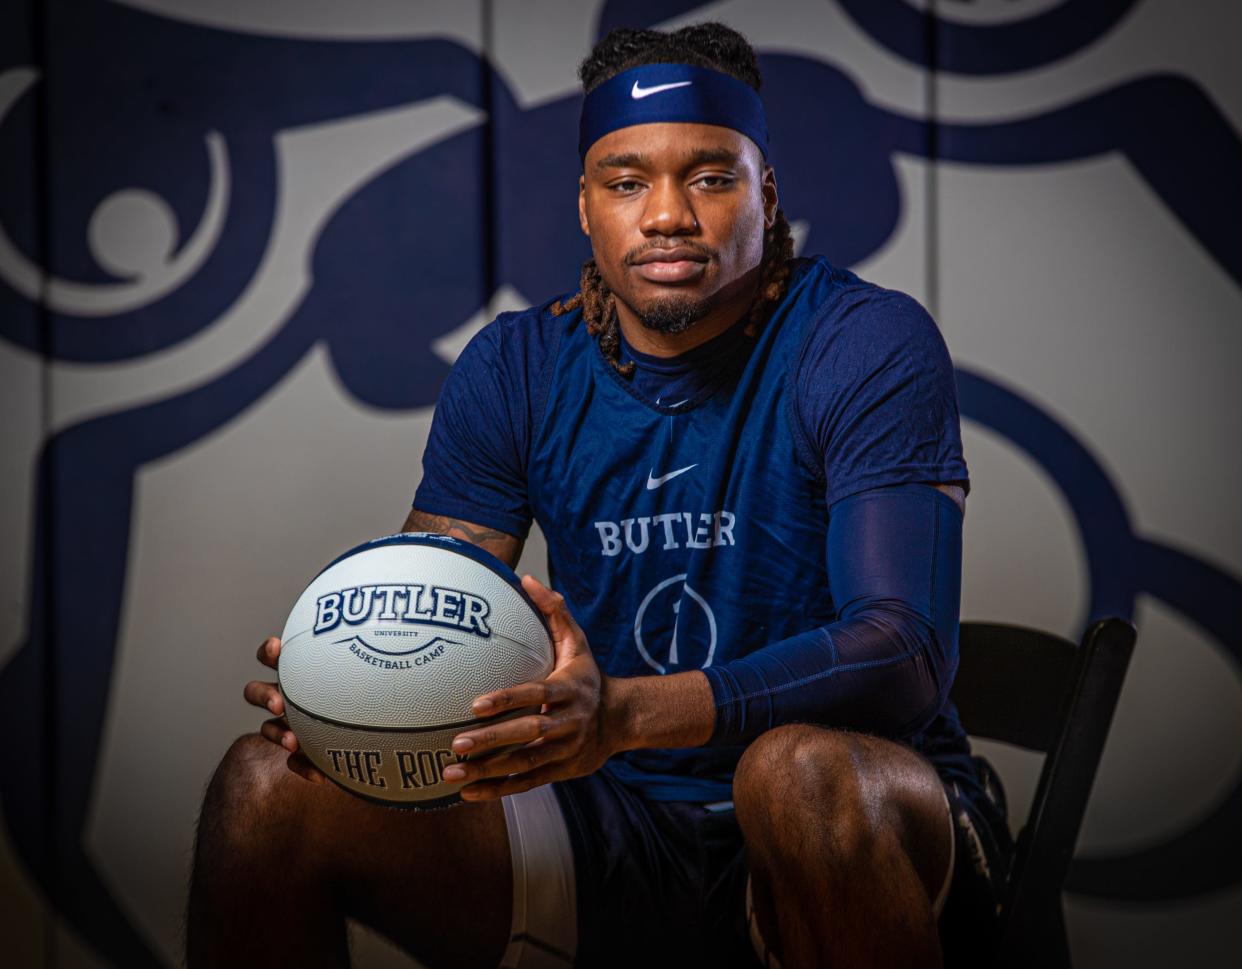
pixel 710 45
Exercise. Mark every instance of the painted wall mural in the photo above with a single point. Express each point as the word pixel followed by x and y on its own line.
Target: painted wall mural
pixel 242 244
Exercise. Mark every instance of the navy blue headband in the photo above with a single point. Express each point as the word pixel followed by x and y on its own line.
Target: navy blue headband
pixel 671 92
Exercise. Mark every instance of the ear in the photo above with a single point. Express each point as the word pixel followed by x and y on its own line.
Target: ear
pixel 771 198
pixel 582 216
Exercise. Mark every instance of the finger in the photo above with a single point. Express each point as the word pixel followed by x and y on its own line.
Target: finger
pixel 506 733
pixel 566 633
pixel 266 696
pixel 305 769
pixel 269 651
pixel 551 604
pixel 492 790
pixel 521 760
pixel 278 732
pixel 519 698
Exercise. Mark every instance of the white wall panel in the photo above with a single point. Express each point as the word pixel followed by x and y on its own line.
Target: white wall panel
pixel 1074 285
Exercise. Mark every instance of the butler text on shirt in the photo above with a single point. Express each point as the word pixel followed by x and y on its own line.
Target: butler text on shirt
pixel 674 529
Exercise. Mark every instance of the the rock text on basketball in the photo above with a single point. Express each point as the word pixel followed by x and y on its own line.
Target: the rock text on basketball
pixel 416 769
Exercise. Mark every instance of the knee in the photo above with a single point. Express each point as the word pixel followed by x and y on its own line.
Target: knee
pixel 798 767
pixel 802 790
pixel 243 799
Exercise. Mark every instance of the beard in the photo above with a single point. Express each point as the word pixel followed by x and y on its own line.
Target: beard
pixel 673 314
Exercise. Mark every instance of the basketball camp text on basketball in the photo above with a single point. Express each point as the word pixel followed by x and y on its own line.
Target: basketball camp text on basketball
pixel 438 605
pixel 366 652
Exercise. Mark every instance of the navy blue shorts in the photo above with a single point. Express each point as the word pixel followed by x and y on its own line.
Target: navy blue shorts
pixel 663 883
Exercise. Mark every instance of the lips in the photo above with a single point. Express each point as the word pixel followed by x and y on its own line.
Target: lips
pixel 679 264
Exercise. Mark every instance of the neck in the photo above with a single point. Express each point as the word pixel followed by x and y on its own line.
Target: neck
pixel 733 302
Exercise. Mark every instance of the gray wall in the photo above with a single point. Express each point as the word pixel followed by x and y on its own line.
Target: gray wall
pixel 197 437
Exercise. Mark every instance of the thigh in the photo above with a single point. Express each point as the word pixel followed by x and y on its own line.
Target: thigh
pixel 916 807
pixel 437 882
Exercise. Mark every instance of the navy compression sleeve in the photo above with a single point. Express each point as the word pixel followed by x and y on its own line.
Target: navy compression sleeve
pixel 885 665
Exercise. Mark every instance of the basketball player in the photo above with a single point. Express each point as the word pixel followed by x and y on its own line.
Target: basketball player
pixel 748 468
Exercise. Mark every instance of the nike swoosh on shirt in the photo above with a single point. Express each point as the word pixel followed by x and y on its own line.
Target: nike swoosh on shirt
pixel 638 92
pixel 654 482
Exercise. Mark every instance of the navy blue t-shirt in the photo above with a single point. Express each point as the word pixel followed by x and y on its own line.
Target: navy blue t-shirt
pixel 686 507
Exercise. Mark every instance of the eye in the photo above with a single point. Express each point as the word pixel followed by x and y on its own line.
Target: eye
pixel 715 181
pixel 625 186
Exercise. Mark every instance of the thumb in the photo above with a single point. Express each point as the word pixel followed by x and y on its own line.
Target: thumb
pixel 567 636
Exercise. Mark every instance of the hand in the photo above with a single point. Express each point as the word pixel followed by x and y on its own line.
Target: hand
pixel 266 696
pixel 571 735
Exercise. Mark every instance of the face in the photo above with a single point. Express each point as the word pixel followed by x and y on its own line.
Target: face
pixel 676 213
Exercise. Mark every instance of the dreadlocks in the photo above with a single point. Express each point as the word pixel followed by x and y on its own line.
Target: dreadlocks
pixel 709 45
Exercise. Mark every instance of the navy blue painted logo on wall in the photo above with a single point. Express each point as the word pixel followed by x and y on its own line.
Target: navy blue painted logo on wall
pixel 190 124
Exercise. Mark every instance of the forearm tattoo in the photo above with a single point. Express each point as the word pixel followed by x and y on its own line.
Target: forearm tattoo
pixel 506 547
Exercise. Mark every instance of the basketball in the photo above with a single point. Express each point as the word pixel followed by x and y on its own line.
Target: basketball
pixel 384 652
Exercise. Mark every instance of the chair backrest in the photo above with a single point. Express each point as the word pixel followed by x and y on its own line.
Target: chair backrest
pixel 1041 692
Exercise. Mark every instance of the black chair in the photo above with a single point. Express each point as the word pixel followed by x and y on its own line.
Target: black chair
pixel 1041 692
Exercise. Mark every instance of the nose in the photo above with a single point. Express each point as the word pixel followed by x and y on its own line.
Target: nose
pixel 668 210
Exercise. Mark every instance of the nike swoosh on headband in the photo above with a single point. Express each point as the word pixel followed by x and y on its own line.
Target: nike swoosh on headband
pixel 637 91
pixel 654 482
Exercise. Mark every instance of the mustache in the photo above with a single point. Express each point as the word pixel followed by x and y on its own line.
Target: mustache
pixel 705 251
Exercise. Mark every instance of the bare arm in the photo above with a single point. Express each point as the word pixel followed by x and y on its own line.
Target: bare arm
pixel 676 710
pixel 506 547
pixel 954 491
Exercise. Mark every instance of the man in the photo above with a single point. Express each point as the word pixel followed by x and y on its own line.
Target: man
pixel 748 469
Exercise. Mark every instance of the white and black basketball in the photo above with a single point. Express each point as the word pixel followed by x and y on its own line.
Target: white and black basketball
pixel 384 652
